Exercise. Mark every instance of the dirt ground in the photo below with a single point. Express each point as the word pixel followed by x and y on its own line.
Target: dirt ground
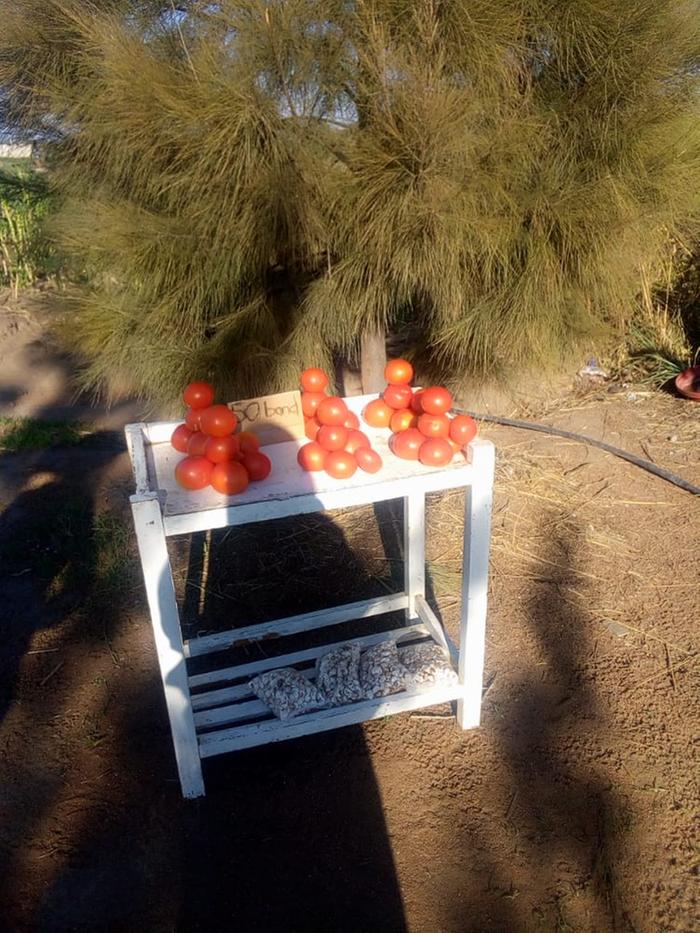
pixel 573 808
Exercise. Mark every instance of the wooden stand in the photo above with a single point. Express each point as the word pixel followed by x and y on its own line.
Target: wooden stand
pixel 215 711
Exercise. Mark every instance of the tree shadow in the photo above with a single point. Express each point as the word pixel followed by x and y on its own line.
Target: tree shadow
pixel 567 822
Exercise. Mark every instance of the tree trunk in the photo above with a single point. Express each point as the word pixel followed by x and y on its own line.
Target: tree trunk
pixel 373 361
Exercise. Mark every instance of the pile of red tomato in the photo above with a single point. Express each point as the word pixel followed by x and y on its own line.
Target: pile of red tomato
pixel 418 419
pixel 216 455
pixel 336 443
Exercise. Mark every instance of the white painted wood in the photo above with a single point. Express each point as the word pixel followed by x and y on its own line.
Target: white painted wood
pixel 477 530
pixel 135 444
pixel 297 657
pixel 226 715
pixel 168 639
pixel 247 736
pixel 431 621
pixel 292 625
pixel 414 548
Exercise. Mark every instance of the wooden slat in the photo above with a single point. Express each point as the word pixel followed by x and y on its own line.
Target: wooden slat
pixel 427 616
pixel 134 434
pixel 309 654
pixel 292 625
pixel 260 733
pixel 225 715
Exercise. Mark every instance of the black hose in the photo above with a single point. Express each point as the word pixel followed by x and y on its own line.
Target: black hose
pixel 616 451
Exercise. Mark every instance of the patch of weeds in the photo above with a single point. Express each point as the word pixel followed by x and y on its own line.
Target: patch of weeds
pixel 113 554
pixel 17 434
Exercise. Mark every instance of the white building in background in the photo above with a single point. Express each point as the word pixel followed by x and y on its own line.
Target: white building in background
pixel 14 151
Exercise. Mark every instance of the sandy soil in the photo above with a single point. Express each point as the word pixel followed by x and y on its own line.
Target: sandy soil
pixel 573 808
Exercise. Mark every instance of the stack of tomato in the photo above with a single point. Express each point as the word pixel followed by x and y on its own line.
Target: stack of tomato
pixel 418 419
pixel 336 443
pixel 216 456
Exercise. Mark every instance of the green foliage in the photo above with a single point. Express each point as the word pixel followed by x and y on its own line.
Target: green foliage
pixel 24 203
pixel 17 434
pixel 253 184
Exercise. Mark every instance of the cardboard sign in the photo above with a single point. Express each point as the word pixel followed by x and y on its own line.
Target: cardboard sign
pixel 274 418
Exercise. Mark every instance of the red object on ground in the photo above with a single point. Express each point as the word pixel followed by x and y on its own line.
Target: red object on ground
pixel 688 383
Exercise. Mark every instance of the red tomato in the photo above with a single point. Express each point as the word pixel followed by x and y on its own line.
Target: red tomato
pixel 455 446
pixel 221 449
pixel 229 478
pixel 194 472
pixel 198 395
pixel 398 372
pixel 180 437
pixel 398 397
pixel 192 418
pixel 340 464
pixel 332 410
pixel 352 422
pixel 403 419
pixel 314 380
pixel 312 457
pixel 435 451
pixel 368 460
pixel 197 444
pixel 259 466
pixel 434 425
pixel 407 444
pixel 217 421
pixel 332 436
pixel 378 414
pixel 248 442
pixel 416 401
pixel 311 427
pixel 462 429
pixel 310 402
pixel 356 439
pixel 436 400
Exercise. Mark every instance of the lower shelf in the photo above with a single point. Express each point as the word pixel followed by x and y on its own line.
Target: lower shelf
pixel 223 717
pixel 274 730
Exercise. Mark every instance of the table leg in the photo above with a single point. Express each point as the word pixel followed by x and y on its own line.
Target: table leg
pixel 477 533
pixel 414 550
pixel 165 620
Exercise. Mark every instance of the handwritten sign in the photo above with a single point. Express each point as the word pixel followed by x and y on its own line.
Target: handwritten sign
pixel 274 418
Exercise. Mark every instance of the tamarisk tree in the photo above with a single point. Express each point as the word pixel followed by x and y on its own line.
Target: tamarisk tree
pixel 253 186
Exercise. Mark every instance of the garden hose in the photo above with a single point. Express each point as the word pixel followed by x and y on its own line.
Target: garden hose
pixel 584 439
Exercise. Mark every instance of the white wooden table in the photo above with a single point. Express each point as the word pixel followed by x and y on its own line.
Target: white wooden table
pixel 215 711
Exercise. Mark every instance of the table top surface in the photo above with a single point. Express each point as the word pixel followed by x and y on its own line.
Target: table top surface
pixel 287 479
